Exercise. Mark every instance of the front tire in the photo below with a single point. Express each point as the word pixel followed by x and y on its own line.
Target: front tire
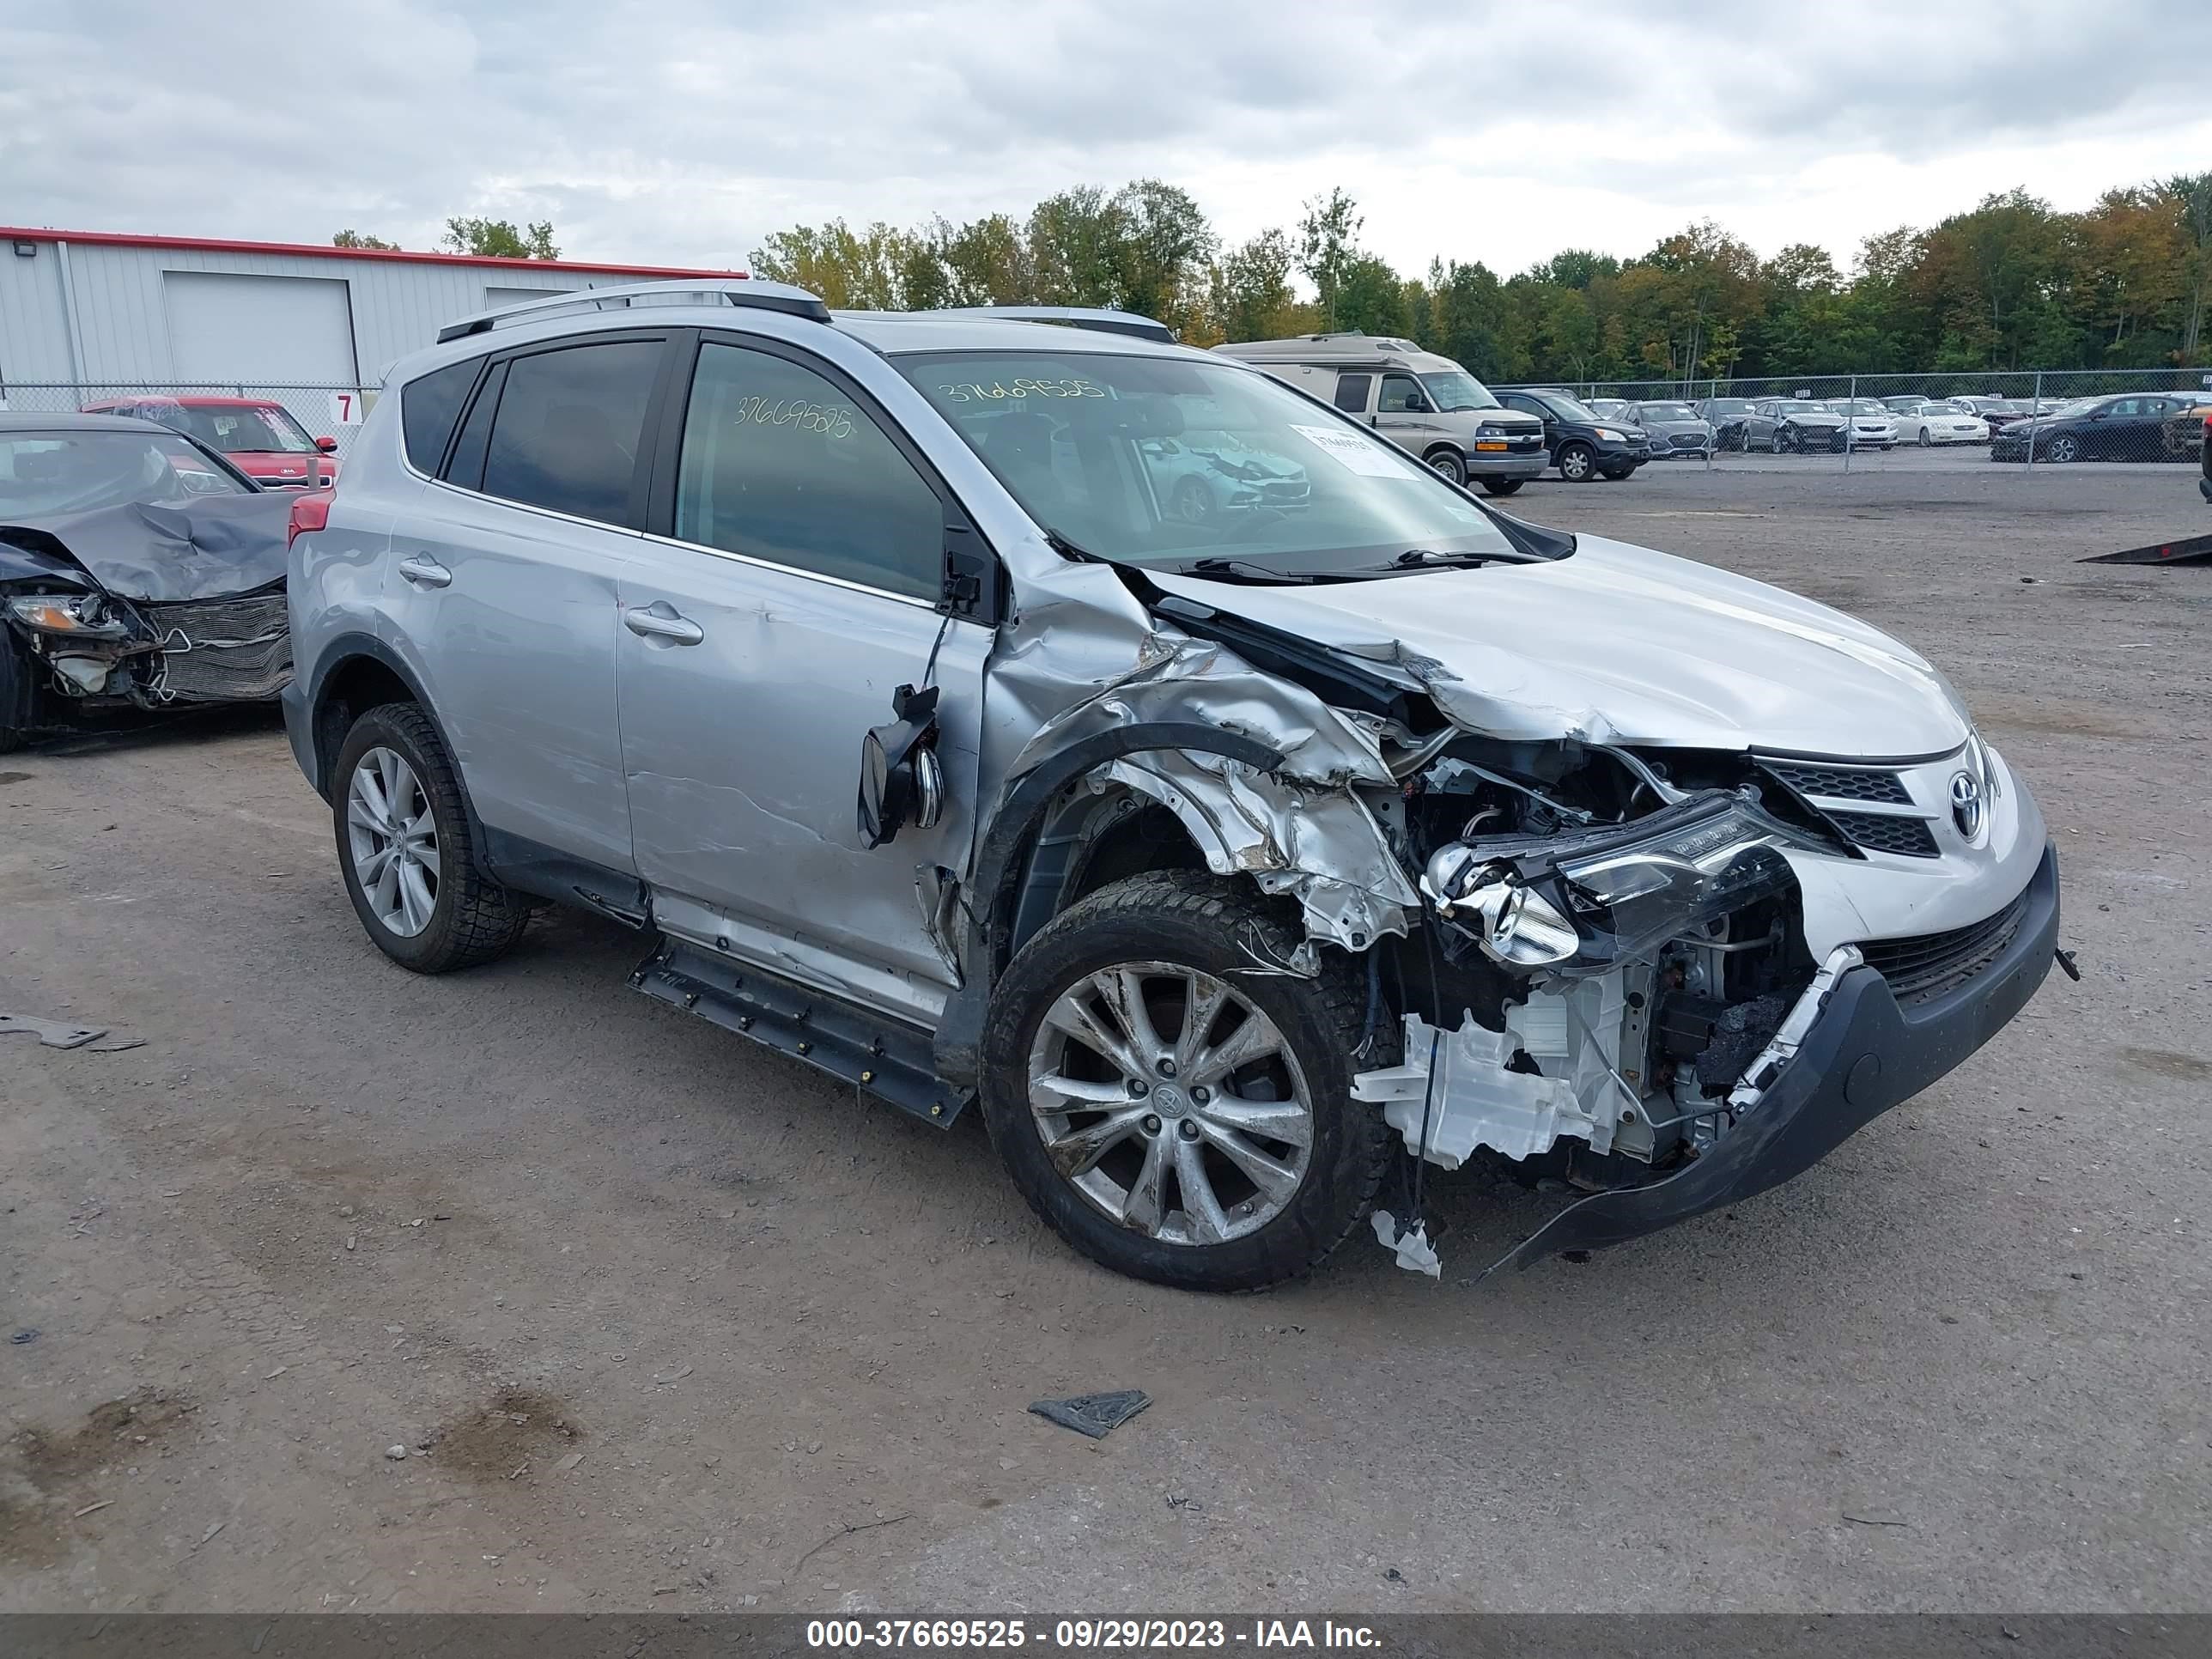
pixel 1578 463
pixel 1170 1111
pixel 1448 463
pixel 1502 486
pixel 1615 474
pixel 1777 445
pixel 1194 502
pixel 2062 449
pixel 16 689
pixel 408 851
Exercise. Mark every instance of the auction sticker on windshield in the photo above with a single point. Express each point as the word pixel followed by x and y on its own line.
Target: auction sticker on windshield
pixel 1356 453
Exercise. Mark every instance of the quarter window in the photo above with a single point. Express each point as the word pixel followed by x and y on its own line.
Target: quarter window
pixel 569 427
pixel 429 406
pixel 780 464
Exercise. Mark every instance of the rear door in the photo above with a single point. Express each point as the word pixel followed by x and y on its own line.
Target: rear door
pixel 791 584
pixel 502 575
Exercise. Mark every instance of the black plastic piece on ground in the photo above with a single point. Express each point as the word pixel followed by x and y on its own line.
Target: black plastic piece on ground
pixel 1095 1414
pixel 2189 549
pixel 880 1055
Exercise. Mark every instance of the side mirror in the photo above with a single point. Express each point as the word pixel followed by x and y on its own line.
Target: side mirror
pixel 328 445
pixel 901 780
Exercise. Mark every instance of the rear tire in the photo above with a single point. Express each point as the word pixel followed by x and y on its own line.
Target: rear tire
pixel 1235 1222
pixel 1502 486
pixel 1578 463
pixel 394 780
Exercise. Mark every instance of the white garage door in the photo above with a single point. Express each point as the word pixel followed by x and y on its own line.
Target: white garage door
pixel 259 330
pixel 495 297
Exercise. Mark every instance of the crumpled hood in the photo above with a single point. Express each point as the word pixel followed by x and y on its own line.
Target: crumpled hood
pixel 1619 644
pixel 198 549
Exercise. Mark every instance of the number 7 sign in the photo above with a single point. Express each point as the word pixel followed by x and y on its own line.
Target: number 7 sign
pixel 345 409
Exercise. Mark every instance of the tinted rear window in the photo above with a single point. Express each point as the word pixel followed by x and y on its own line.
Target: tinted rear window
pixel 569 427
pixel 427 409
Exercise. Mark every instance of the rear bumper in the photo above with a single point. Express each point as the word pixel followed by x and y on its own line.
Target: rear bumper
pixel 1863 1054
pixel 2204 486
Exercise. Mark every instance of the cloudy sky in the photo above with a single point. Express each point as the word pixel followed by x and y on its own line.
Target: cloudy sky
pixel 684 131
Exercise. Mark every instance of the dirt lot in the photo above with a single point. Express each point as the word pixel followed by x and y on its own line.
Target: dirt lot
pixel 667 1322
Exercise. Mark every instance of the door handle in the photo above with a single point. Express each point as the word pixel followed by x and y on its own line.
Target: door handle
pixel 659 621
pixel 425 572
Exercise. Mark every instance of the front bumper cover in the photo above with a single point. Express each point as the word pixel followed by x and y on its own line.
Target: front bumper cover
pixel 1864 1055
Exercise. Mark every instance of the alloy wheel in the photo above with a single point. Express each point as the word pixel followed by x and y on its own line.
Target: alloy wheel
pixel 393 837
pixel 1171 1102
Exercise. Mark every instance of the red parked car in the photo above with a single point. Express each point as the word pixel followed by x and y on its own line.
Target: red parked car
pixel 260 438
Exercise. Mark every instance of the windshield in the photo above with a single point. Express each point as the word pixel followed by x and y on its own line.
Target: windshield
pixel 1455 389
pixel 1803 409
pixel 1728 406
pixel 1569 409
pixel 254 428
pixel 49 472
pixel 1666 412
pixel 1164 462
pixel 1862 407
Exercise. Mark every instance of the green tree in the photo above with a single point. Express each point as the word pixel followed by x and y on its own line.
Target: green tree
pixel 1329 242
pixel 2191 197
pixel 1164 242
pixel 1372 298
pixel 361 238
pixel 1252 296
pixel 498 239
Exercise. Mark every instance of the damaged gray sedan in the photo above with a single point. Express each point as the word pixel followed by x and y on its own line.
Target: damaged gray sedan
pixel 138 570
pixel 1240 865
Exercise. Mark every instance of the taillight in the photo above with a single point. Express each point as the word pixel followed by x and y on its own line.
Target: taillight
pixel 311 510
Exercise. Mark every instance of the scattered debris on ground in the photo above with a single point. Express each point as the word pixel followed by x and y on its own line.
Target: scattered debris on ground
pixel 1095 1414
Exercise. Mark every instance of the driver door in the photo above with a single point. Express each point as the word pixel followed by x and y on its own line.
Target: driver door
pixel 1404 415
pixel 792 584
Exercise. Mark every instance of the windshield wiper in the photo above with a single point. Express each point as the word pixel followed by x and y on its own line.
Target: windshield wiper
pixel 1416 558
pixel 1243 570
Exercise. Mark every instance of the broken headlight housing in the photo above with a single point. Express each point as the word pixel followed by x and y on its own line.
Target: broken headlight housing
pixel 79 615
pixel 1582 903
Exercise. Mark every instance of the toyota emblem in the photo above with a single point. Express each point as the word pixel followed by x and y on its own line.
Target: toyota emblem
pixel 1966 805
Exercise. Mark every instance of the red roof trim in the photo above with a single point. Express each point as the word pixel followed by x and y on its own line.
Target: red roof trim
pixel 313 249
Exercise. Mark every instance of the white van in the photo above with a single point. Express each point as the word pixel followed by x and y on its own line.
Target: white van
pixel 1427 405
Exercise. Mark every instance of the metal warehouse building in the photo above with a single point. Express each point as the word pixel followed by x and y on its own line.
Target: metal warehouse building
pixel 91 314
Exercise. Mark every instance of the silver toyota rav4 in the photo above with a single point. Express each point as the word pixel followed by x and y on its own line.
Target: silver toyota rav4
pixel 1237 864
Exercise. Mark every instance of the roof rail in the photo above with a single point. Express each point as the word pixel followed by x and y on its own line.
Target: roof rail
pixel 735 290
pixel 1105 320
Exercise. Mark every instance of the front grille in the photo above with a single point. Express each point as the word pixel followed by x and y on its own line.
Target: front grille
pixel 1686 441
pixel 1879 833
pixel 1838 783
pixel 234 650
pixel 1920 969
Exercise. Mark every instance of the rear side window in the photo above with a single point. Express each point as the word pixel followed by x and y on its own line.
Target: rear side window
pixel 429 406
pixel 1352 392
pixel 569 427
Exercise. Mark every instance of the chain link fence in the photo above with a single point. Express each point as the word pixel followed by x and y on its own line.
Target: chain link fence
pixel 1848 423
pixel 320 410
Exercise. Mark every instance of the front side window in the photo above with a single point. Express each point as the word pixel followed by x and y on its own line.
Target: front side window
pixel 1402 395
pixel 1258 478
pixel 570 426
pixel 780 464
pixel 45 472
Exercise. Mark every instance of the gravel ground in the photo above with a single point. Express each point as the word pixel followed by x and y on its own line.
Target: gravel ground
pixel 665 1322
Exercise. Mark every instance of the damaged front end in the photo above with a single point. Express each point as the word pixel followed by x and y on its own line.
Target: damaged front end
pixel 1603 984
pixel 88 649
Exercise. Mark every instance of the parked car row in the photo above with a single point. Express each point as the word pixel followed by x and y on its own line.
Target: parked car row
pixel 1432 408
